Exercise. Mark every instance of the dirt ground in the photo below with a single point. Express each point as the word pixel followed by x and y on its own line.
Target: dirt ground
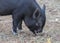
pixel 51 29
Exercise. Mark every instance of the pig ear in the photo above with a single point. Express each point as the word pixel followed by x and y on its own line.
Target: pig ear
pixel 43 9
pixel 34 14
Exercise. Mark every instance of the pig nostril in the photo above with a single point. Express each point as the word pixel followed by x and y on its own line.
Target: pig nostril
pixel 39 30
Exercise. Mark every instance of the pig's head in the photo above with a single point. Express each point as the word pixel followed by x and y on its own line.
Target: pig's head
pixel 37 21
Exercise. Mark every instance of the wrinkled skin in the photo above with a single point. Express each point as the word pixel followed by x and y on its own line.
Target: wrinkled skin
pixel 23 10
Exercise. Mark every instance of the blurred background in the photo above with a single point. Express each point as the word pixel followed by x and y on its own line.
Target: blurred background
pixel 51 29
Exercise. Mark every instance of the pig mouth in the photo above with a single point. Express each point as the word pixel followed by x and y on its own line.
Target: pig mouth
pixel 36 30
